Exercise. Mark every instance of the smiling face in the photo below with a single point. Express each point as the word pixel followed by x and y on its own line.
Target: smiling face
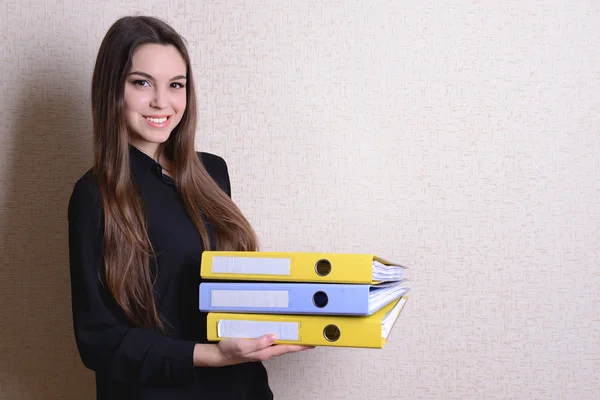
pixel 155 95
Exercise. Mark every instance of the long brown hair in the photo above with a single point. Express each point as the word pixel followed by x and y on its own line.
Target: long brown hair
pixel 127 248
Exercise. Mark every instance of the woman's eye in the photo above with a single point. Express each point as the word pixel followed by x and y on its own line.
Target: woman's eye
pixel 177 85
pixel 141 82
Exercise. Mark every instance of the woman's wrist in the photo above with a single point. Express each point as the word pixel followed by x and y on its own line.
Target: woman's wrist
pixel 207 355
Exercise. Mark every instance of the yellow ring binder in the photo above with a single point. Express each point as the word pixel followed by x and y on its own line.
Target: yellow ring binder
pixel 299 267
pixel 367 332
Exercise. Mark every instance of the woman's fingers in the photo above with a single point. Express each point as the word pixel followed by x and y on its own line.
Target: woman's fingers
pixel 260 349
pixel 248 346
pixel 235 348
pixel 277 350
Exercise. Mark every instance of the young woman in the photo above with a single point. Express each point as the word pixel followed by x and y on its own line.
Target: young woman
pixel 139 220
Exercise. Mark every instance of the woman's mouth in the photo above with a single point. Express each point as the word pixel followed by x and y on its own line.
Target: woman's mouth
pixel 158 122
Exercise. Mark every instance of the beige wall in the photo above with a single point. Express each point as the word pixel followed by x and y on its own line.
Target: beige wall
pixel 459 137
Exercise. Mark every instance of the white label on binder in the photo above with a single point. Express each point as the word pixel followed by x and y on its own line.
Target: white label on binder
pixel 250 298
pixel 251 265
pixel 254 329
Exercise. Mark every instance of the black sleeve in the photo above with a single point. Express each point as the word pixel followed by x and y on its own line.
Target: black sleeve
pixel 107 343
pixel 217 169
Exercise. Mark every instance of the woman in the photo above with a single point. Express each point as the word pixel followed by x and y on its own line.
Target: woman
pixel 139 220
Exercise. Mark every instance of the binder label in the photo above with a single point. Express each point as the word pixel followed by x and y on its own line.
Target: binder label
pixel 251 265
pixel 254 329
pixel 250 298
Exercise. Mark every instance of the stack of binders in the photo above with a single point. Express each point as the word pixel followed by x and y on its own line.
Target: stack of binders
pixel 315 299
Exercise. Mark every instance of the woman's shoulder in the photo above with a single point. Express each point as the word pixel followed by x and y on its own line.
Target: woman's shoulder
pixel 85 192
pixel 211 161
pixel 217 168
pixel 86 182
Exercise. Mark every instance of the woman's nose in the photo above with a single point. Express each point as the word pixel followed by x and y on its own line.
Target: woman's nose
pixel 159 100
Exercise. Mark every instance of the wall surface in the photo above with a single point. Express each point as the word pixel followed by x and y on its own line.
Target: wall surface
pixel 458 137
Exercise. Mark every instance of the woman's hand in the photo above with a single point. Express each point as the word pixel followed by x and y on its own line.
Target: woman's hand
pixel 236 351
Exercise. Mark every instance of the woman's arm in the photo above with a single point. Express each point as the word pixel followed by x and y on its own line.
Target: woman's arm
pixel 107 342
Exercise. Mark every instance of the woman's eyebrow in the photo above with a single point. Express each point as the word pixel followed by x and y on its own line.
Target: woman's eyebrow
pixel 148 76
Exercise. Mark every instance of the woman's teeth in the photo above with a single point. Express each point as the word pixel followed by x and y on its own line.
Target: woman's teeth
pixel 156 120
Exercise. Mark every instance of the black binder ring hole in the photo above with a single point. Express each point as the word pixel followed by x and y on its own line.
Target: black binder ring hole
pixel 320 299
pixel 323 267
pixel 332 333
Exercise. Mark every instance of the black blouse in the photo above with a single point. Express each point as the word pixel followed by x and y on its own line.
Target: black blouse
pixel 134 363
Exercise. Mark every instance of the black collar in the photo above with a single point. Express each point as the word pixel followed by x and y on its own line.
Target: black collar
pixel 142 162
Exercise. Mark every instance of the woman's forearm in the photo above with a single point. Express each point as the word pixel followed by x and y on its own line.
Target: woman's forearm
pixel 207 355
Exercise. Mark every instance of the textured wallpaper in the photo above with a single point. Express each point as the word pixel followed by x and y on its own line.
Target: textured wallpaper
pixel 461 138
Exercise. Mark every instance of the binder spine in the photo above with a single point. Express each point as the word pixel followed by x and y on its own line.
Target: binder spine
pixel 288 267
pixel 284 298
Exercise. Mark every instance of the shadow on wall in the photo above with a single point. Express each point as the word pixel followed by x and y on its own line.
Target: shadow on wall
pixel 51 148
